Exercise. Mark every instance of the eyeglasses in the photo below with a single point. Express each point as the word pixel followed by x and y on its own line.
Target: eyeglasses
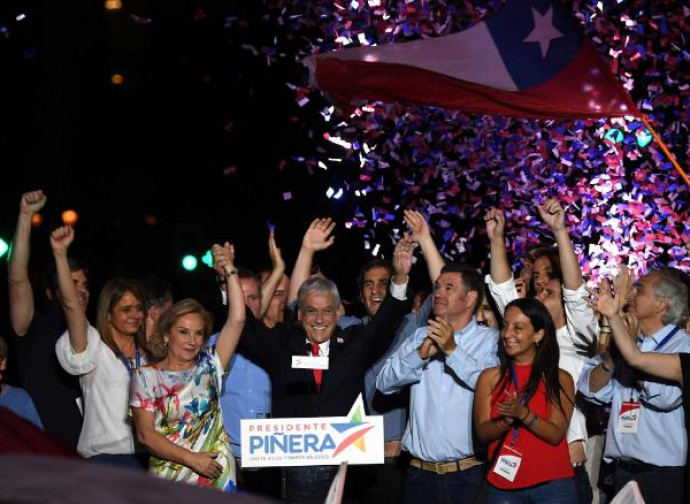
pixel 310 312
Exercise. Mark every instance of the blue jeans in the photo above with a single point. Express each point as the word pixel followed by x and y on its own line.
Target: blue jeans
pixel 560 491
pixel 425 487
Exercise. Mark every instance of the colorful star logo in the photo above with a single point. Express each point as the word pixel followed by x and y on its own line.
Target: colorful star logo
pixel 356 421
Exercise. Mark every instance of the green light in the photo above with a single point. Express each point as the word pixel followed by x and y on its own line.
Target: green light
pixel 4 247
pixel 207 259
pixel 189 262
pixel 643 137
pixel 614 135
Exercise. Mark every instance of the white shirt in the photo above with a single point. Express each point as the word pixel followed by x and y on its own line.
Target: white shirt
pixel 104 381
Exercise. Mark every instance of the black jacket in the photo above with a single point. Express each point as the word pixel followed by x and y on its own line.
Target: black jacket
pixel 352 351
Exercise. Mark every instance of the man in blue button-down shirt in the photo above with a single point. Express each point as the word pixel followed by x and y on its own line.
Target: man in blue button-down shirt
pixel 646 437
pixel 441 362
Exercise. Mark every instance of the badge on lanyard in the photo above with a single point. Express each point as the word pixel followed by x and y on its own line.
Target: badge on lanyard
pixel 629 417
pixel 508 463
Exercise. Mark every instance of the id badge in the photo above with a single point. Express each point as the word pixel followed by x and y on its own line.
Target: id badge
pixel 309 362
pixel 629 417
pixel 508 463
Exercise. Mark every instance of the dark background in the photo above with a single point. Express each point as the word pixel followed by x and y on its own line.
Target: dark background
pixel 145 163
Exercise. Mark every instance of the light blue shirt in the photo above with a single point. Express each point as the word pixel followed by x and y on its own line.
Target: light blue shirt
pixel 442 391
pixel 19 402
pixel 661 438
pixel 246 394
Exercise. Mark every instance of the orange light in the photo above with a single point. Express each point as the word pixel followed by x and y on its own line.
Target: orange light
pixel 36 220
pixel 70 217
pixel 117 79
pixel 150 219
pixel 113 4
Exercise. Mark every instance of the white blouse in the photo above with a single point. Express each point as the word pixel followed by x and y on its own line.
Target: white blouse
pixel 104 381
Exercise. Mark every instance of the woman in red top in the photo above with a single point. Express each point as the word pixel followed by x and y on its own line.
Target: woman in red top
pixel 523 408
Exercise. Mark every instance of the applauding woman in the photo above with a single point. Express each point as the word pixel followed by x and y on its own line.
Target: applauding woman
pixel 523 408
pixel 175 401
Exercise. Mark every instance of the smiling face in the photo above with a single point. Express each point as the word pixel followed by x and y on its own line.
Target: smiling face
pixel 541 272
pixel 519 337
pixel 374 288
pixel 127 315
pixel 318 315
pixel 451 298
pixel 185 339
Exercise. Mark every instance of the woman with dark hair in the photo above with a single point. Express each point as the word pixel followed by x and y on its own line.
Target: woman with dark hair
pixel 175 401
pixel 522 408
pixel 103 357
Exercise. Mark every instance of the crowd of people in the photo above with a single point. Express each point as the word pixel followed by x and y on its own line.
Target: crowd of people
pixel 492 388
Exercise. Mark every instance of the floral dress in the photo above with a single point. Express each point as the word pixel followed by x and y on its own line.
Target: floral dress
pixel 187 411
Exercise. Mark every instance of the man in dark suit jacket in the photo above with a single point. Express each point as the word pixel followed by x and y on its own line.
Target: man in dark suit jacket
pixel 330 392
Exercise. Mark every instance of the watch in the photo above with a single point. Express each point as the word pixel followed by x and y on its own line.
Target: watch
pixel 228 274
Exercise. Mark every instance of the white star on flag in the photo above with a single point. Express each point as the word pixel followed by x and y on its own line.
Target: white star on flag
pixel 544 31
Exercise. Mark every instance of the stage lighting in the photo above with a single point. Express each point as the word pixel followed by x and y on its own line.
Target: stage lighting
pixel 189 262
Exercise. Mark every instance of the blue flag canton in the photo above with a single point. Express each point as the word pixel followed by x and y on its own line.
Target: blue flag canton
pixel 535 38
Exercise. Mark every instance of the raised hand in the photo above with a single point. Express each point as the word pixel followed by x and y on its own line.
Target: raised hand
pixel 495 224
pixel 441 332
pixel 552 214
pixel 204 463
pixel 274 253
pixel 623 286
pixel 602 300
pixel 223 258
pixel 521 285
pixel 318 236
pixel 61 238
pixel 419 227
pixel 402 255
pixel 32 202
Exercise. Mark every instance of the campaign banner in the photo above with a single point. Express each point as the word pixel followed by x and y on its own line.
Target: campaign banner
pixel 278 442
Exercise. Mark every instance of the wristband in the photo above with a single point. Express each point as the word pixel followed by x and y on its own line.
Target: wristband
pixel 531 423
pixel 522 420
pixel 228 274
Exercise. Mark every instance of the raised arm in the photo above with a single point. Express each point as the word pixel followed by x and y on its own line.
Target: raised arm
pixel 318 237
pixel 224 264
pixel 268 287
pixel 77 325
pixel 553 215
pixel 421 234
pixel 495 230
pixel 21 293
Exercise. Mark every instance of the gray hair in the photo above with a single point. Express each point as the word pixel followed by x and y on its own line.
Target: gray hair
pixel 319 285
pixel 670 287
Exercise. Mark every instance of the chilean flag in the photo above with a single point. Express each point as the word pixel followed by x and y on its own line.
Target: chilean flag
pixel 528 60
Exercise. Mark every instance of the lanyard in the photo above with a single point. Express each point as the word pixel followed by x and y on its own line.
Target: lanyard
pixel 523 400
pixel 668 337
pixel 126 360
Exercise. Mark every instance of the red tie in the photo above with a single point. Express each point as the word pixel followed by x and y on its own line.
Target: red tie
pixel 317 372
